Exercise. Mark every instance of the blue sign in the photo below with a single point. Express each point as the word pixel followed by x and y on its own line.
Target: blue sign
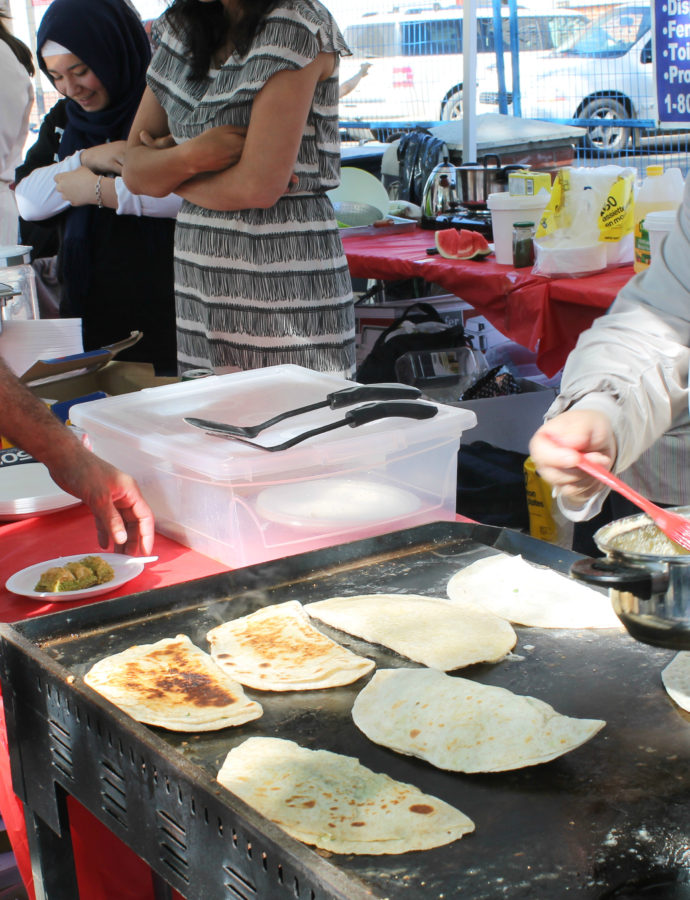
pixel 672 59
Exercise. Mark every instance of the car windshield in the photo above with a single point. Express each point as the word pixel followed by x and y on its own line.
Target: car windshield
pixel 610 35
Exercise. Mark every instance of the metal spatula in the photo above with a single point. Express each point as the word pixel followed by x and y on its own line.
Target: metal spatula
pixel 360 415
pixel 346 397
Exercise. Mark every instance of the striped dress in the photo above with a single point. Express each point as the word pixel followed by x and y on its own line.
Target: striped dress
pixel 261 287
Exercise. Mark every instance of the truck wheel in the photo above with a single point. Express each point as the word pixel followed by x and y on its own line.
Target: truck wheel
pixel 452 108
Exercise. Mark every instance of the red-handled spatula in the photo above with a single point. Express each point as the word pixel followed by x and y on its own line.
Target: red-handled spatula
pixel 674 526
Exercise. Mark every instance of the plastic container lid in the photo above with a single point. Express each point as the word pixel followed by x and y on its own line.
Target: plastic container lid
pixel 660 219
pixel 152 421
pixel 502 200
pixel 15 254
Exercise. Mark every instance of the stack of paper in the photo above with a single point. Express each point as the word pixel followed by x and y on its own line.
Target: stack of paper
pixel 22 343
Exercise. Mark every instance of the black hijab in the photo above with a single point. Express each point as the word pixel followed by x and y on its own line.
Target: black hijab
pixel 109 38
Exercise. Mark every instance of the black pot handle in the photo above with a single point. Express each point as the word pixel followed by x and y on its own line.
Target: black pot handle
pixel 612 574
pixel 485 160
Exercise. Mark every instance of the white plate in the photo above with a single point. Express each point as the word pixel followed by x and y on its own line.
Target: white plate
pixel 23 582
pixel 27 489
pixel 334 502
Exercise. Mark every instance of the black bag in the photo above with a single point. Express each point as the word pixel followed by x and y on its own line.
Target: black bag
pixel 491 485
pixel 379 365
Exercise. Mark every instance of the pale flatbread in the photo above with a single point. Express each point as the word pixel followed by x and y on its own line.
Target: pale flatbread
pixel 334 802
pixel 172 684
pixel 429 630
pixel 510 587
pixel 676 679
pixel 278 649
pixel 458 724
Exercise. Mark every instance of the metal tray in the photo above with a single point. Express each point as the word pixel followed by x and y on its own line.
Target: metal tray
pixel 398 225
pixel 607 820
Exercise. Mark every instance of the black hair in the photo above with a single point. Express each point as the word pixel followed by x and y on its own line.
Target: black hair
pixel 205 28
pixel 19 48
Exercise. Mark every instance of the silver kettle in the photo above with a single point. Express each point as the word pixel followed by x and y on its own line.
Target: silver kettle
pixel 440 191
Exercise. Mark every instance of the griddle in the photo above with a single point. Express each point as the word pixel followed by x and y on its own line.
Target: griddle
pixel 608 820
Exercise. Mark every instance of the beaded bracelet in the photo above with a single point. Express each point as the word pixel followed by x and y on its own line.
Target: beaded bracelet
pixel 99 196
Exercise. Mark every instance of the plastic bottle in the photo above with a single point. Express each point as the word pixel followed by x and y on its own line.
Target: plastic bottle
pixel 17 275
pixel 661 189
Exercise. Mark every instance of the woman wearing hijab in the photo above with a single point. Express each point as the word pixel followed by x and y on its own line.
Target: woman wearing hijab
pixel 261 277
pixel 115 250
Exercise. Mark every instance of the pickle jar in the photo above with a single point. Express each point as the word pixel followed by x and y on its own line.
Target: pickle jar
pixel 523 244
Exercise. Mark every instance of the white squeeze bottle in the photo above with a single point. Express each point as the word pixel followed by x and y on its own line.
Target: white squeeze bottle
pixel 661 189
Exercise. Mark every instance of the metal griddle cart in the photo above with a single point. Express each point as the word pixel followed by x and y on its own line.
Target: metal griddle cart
pixel 608 820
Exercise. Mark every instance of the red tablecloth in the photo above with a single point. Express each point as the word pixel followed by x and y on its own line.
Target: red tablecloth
pixel 106 868
pixel 544 314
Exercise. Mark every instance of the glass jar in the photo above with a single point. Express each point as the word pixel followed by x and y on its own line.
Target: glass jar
pixel 523 244
pixel 16 272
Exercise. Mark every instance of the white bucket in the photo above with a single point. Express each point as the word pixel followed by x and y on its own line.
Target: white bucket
pixel 507 209
pixel 658 225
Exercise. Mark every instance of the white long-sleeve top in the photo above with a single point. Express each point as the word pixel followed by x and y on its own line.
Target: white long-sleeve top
pixel 38 197
pixel 632 364
pixel 16 98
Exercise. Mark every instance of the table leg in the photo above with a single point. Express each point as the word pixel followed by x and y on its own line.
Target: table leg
pixel 52 855
pixel 161 888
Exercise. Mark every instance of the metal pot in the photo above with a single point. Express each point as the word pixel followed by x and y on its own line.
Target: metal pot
pixel 650 592
pixel 479 179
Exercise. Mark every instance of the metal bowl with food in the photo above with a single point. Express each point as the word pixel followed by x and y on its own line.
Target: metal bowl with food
pixel 648 577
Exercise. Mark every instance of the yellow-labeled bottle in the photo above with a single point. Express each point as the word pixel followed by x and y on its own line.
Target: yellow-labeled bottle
pixel 661 189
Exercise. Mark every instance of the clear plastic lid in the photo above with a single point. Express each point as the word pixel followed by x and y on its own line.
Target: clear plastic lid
pixel 14 254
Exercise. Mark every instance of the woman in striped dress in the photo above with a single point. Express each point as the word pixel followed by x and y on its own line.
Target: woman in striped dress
pixel 260 273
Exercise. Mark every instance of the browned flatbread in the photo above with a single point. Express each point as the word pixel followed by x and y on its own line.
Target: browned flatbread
pixel 278 649
pixel 172 684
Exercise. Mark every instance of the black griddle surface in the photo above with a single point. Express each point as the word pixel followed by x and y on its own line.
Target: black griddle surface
pixel 611 812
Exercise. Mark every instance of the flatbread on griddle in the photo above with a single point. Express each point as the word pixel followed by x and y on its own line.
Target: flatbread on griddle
pixel 464 726
pixel 525 594
pixel 429 630
pixel 172 684
pixel 333 802
pixel 278 649
pixel 676 679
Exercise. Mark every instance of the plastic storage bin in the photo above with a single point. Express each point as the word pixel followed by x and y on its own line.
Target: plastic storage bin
pixel 243 505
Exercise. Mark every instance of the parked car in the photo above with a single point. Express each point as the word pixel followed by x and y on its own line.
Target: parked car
pixel 604 74
pixel 416 72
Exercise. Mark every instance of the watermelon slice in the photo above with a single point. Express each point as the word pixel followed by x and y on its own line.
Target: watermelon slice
pixel 454 243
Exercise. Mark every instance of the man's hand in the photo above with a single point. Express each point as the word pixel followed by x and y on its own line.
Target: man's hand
pixel 121 513
pixel 105 159
pixel 585 430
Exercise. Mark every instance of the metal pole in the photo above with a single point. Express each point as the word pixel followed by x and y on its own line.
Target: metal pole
pixel 500 64
pixel 515 56
pixel 469 81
